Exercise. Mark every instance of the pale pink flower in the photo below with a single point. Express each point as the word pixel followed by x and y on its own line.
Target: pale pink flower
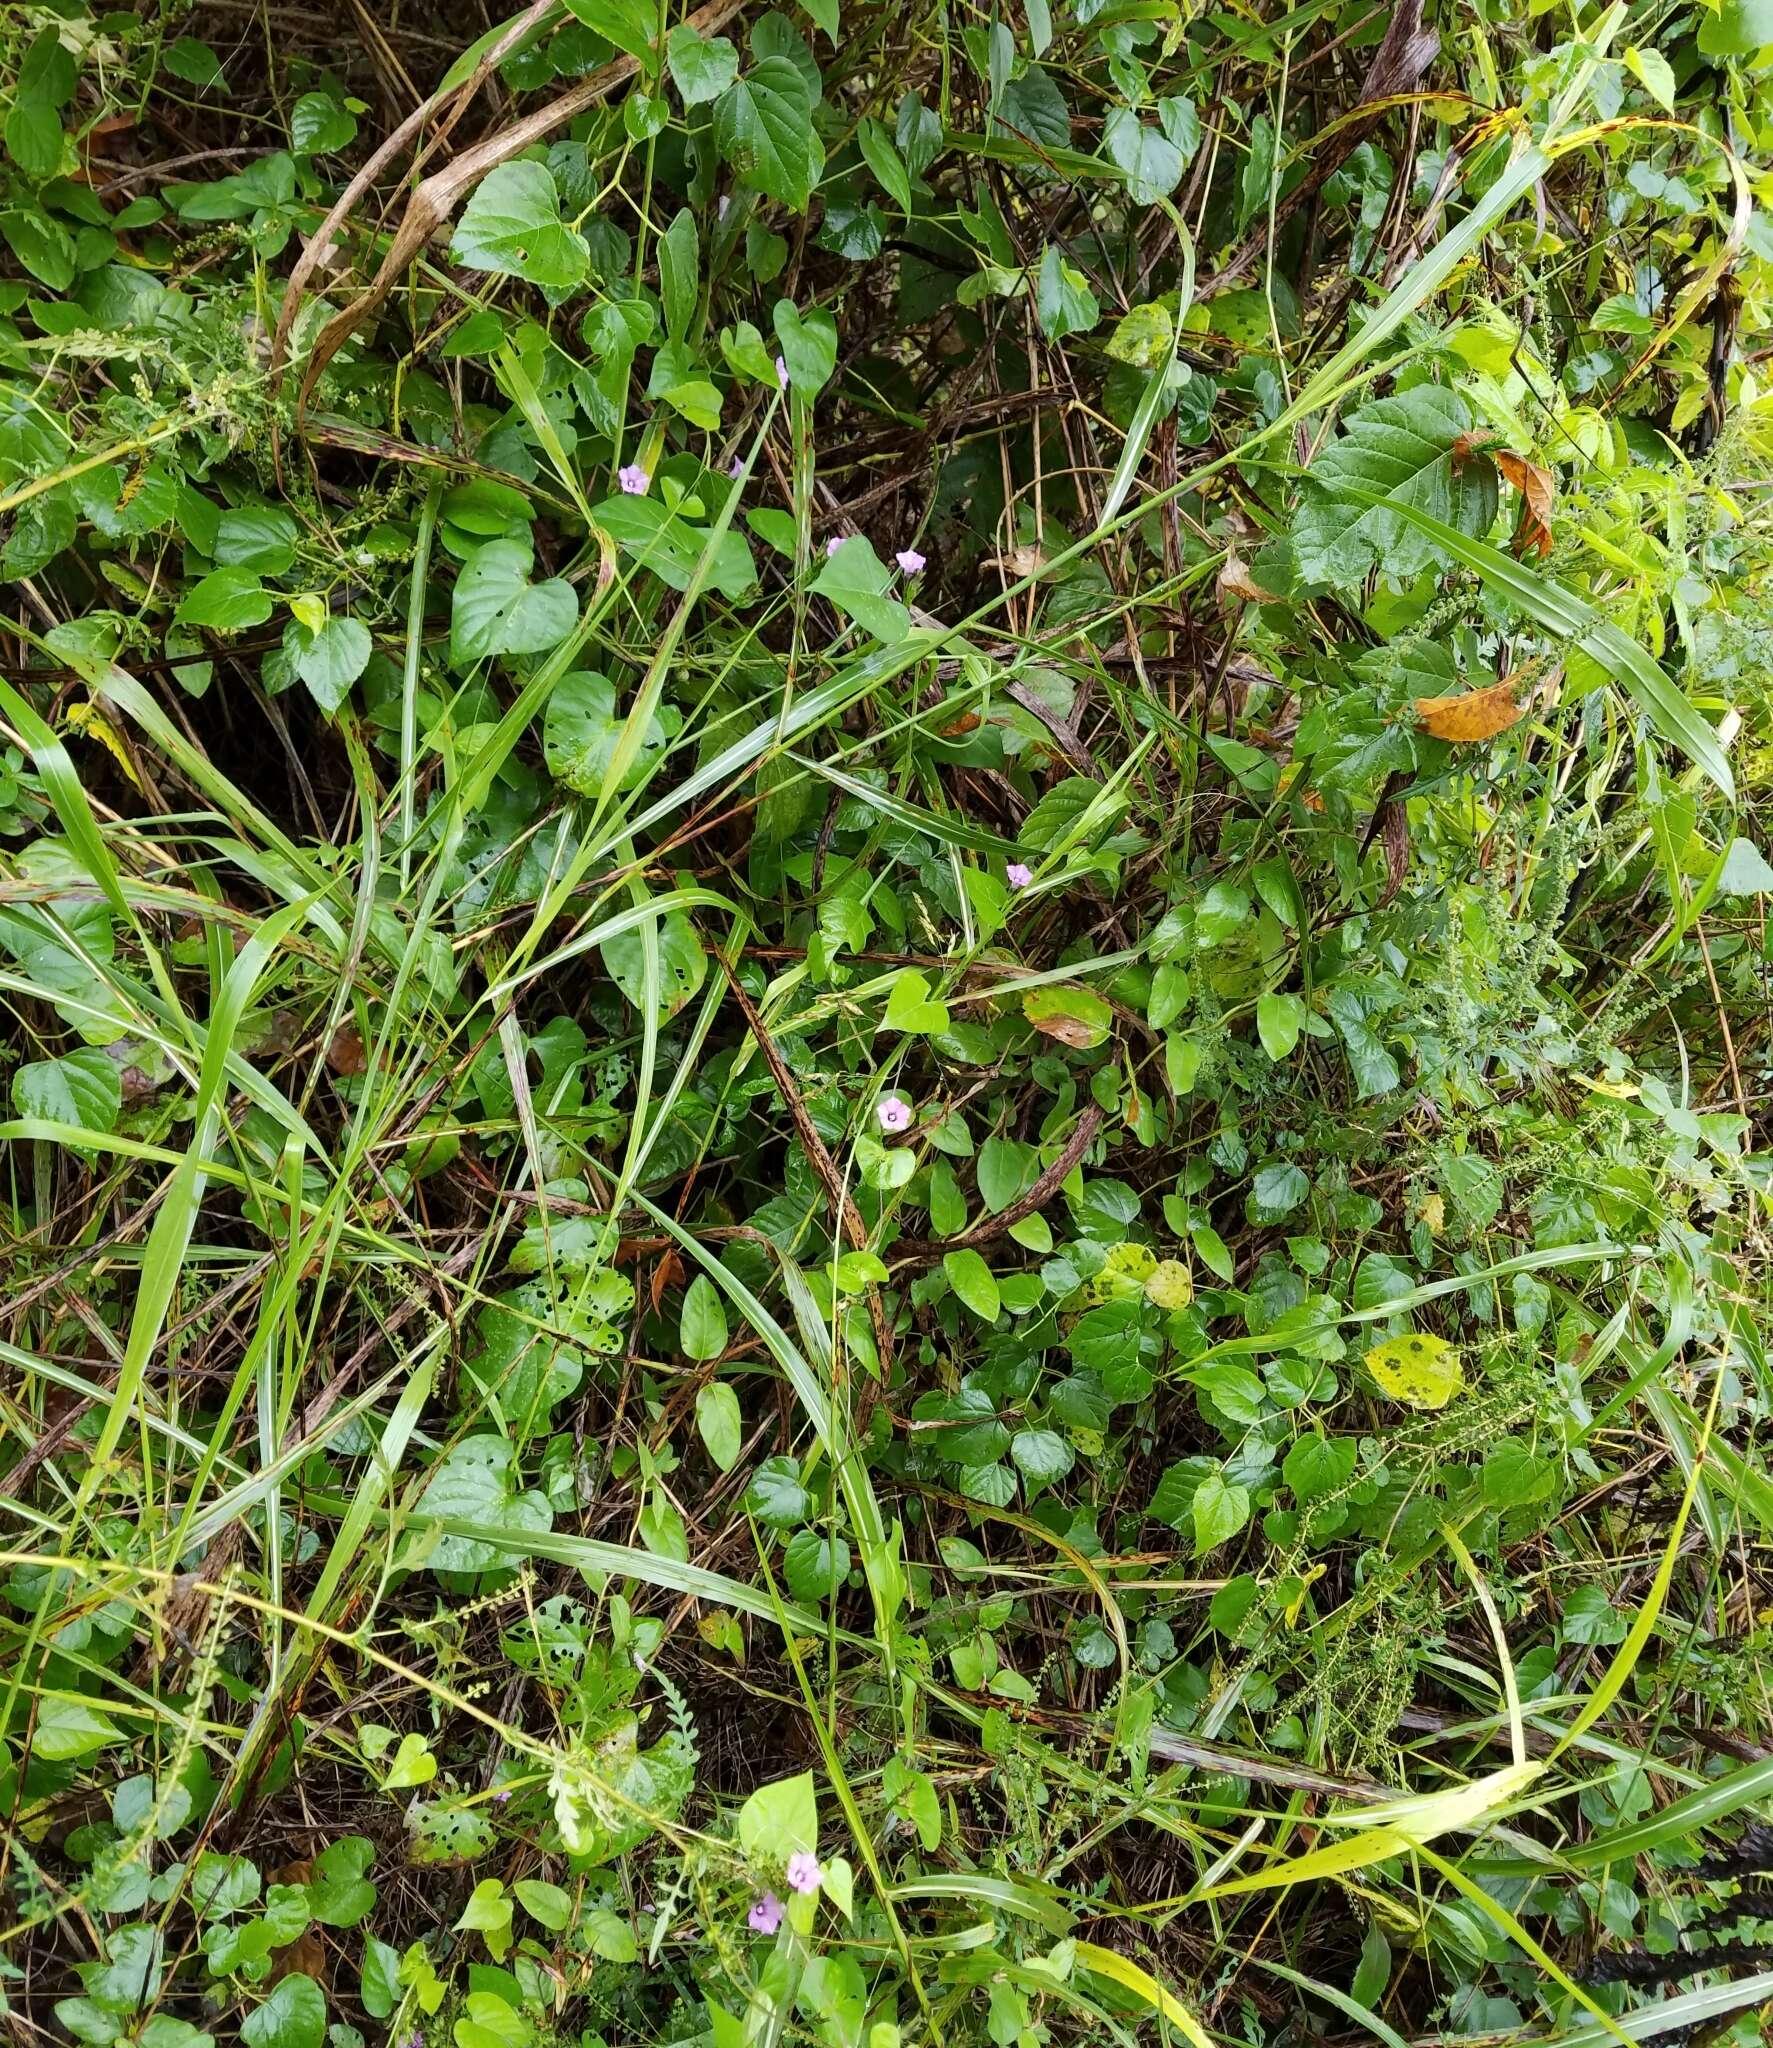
pixel 633 479
pixel 803 1871
pixel 781 373
pixel 832 545
pixel 1018 874
pixel 736 468
pixel 766 1916
pixel 910 561
pixel 894 1113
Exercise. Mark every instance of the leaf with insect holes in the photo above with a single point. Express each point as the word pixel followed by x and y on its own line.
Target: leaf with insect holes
pixel 1418 1370
pixel 512 227
pixel 1473 714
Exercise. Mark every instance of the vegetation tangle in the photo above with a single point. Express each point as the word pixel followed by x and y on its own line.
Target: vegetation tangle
pixel 885 964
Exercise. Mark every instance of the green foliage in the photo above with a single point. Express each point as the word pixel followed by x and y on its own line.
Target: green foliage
pixel 882 897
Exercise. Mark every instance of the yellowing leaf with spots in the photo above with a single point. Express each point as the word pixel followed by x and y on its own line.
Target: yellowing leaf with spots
pixel 1169 1284
pixel 1419 1371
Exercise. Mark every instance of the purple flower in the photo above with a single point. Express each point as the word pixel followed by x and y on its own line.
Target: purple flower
pixel 781 373
pixel 766 1916
pixel 501 1797
pixel 895 1115
pixel 803 1871
pixel 910 561
pixel 736 468
pixel 832 545
pixel 633 479
pixel 1018 874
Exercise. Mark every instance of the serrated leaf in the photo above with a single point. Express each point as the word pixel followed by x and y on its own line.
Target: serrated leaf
pixel 83 1088
pixel 1395 451
pixel 763 127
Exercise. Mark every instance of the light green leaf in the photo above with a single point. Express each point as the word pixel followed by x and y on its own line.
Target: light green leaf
pixel 495 608
pixel 856 581
pixel 333 659
pixel 703 1332
pixel 702 67
pixel 719 1421
pixel 780 1820
pixel 226 601
pixel 809 345
pixel 67 1728
pixel 910 1007
pixel 512 227
pixel 1063 298
pixel 1220 1509
pixel 1279 1020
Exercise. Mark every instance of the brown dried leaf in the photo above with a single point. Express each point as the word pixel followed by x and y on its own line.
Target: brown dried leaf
pixel 1537 488
pixel 1236 582
pixel 1394 836
pixel 345 1054
pixel 668 1273
pixel 1474 715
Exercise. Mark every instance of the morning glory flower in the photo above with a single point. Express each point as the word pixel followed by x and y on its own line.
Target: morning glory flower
pixel 910 561
pixel 781 373
pixel 803 1871
pixel 832 545
pixel 894 1114
pixel 1018 874
pixel 766 1916
pixel 633 479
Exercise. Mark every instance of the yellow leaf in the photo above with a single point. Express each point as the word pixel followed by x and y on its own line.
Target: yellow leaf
pixel 310 609
pixel 1169 1284
pixel 90 721
pixel 1473 715
pixel 1419 1371
pixel 1121 1970
pixel 1388 1830
pixel 1619 1091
